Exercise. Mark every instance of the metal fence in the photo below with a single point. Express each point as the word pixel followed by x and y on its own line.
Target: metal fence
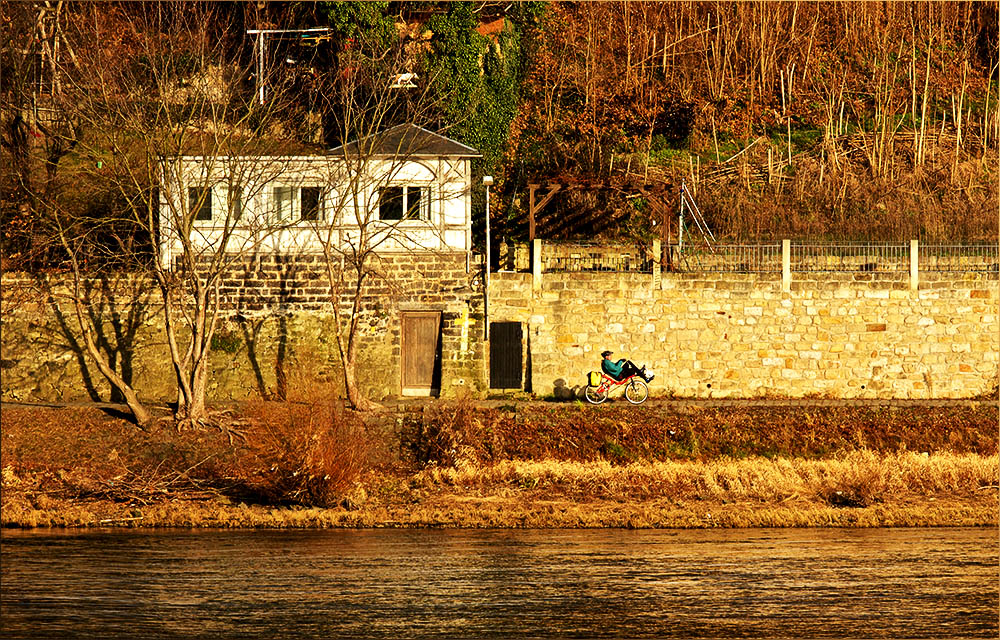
pixel 850 257
pixel 844 257
pixel 950 257
pixel 595 258
pixel 836 257
pixel 739 258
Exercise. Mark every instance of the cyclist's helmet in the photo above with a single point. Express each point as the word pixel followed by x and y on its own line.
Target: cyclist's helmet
pixel 605 354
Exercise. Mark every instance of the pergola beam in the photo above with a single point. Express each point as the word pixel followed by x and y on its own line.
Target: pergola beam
pixel 535 205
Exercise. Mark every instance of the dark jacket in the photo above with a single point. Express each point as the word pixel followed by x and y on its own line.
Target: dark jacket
pixel 613 369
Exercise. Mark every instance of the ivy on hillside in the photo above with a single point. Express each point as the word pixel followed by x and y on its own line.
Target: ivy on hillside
pixel 476 79
pixel 367 24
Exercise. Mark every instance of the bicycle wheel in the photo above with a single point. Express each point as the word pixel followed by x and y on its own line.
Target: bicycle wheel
pixel 636 391
pixel 595 395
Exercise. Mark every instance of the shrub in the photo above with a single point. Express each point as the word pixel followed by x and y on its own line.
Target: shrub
pixel 304 453
pixel 444 434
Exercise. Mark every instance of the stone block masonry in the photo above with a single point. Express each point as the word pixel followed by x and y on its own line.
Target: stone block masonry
pixel 278 329
pixel 840 335
pixel 863 335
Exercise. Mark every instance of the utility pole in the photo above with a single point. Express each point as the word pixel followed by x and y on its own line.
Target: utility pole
pixel 260 51
pixel 487 180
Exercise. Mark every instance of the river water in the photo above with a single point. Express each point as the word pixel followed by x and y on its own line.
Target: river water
pixel 760 583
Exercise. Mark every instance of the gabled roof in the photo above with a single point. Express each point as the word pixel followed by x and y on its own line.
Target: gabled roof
pixel 407 140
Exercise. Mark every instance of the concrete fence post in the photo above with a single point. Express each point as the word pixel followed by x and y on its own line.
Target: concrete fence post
pixel 536 264
pixel 786 265
pixel 914 262
pixel 657 264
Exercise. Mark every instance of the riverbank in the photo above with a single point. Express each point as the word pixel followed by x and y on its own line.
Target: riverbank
pixel 465 465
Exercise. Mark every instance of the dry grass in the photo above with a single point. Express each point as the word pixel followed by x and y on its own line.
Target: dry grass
pixel 623 434
pixel 302 453
pixel 858 490
pixel 294 453
pixel 316 465
pixel 859 478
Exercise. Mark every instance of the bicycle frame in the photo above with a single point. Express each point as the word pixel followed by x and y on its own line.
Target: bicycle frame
pixel 609 384
pixel 634 385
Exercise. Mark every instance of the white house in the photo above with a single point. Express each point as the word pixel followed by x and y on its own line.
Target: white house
pixel 406 189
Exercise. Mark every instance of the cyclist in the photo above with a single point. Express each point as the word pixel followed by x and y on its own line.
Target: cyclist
pixel 622 368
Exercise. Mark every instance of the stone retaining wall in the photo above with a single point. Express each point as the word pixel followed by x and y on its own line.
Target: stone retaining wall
pixel 740 335
pixel 278 331
pixel 860 335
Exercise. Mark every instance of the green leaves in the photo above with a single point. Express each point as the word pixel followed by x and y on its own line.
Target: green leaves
pixel 476 79
pixel 365 25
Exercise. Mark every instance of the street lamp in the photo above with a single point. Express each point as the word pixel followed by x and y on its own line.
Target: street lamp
pixel 487 181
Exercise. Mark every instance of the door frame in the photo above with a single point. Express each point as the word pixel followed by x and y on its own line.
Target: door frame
pixel 431 391
pixel 521 357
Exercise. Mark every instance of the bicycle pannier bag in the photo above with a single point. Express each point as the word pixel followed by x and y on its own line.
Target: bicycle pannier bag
pixel 595 378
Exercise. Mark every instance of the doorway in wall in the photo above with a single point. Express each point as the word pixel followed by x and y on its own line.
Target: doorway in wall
pixel 505 355
pixel 420 349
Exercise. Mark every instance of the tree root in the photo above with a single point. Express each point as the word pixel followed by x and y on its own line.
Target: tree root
pixel 223 420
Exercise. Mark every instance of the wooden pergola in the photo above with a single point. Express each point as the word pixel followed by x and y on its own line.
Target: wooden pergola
pixel 655 192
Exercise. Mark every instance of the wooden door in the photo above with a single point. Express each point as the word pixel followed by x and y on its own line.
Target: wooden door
pixel 505 355
pixel 420 350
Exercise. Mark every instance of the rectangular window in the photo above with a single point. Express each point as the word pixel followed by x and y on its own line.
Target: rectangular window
pixel 200 202
pixel 236 202
pixel 283 200
pixel 390 203
pixel 310 203
pixel 398 203
pixel 415 203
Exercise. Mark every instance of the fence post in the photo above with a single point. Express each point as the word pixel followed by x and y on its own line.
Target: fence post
pixel 536 264
pixel 657 264
pixel 914 261
pixel 786 265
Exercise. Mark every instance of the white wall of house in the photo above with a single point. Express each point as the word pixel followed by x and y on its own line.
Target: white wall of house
pixel 296 204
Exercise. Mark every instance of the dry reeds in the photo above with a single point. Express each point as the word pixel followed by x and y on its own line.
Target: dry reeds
pixel 622 435
pixel 459 464
pixel 880 118
pixel 859 478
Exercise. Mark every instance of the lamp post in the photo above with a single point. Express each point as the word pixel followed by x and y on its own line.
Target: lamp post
pixel 487 181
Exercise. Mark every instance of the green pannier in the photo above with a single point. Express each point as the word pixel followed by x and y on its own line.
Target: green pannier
pixel 595 378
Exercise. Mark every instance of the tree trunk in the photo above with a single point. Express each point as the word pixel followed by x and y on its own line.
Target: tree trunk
pixel 196 408
pixel 346 345
pixel 354 396
pixel 142 416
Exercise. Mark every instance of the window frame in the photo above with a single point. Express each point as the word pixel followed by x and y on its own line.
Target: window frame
pixel 202 195
pixel 423 211
pixel 234 200
pixel 315 212
pixel 295 209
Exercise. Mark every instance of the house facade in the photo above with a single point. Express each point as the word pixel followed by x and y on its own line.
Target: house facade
pixel 294 230
pixel 407 190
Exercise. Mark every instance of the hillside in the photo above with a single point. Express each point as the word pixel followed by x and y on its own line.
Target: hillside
pixel 820 120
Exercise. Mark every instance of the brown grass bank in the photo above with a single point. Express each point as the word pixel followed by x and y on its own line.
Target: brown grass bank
pixel 461 465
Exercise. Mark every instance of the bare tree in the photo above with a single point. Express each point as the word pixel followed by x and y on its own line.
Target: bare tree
pixel 52 224
pixel 174 133
pixel 388 188
pixel 38 131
